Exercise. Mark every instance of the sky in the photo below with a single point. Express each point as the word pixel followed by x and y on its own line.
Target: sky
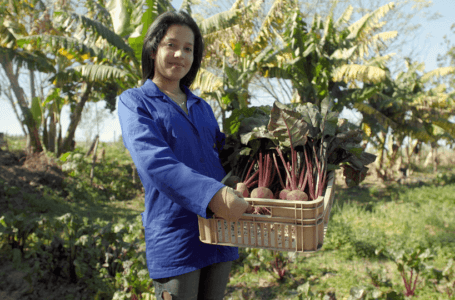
pixel 430 42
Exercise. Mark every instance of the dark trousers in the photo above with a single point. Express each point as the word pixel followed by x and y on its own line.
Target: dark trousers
pixel 208 283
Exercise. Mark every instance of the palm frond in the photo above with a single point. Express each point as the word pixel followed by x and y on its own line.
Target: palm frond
pixel 54 43
pixel 446 125
pixel 380 61
pixel 353 72
pixel 416 129
pixel 277 12
pixel 219 22
pixel 364 108
pixel 120 14
pixel 103 73
pixel 344 54
pixel 345 17
pixel 369 22
pixel 186 6
pixel 98 29
pixel 374 42
pixel 439 72
pixel 33 60
pixel 207 82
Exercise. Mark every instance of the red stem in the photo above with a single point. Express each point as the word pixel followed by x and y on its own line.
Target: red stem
pixel 251 178
pixel 261 173
pixel 310 175
pixel 271 170
pixel 285 166
pixel 415 283
pixel 301 176
pixel 249 170
pixel 293 159
pixel 249 186
pixel 278 171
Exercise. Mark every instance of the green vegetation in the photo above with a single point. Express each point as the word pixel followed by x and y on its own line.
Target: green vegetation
pixel 92 244
pixel 68 220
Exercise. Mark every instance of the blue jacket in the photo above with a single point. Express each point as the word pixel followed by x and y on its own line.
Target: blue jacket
pixel 177 160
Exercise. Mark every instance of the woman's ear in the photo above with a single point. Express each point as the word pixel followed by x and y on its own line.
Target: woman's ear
pixel 153 55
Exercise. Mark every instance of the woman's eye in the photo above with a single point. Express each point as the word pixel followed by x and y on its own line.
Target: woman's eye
pixel 170 45
pixel 189 49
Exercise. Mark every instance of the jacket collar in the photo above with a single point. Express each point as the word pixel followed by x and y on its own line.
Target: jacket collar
pixel 150 89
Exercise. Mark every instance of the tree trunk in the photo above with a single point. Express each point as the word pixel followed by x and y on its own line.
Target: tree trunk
pixel 45 135
pixel 13 105
pixel 35 143
pixel 52 133
pixel 434 150
pixel 75 118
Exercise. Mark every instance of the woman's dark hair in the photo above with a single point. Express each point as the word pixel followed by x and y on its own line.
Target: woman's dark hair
pixel 155 34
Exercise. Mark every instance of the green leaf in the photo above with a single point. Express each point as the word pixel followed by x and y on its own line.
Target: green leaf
pixel 256 133
pixel 288 125
pixel 233 122
pixel 119 11
pixel 36 110
pixel 311 115
pixel 238 49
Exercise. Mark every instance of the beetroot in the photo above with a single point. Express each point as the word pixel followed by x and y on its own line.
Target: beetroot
pixel 295 180
pixel 262 192
pixel 297 195
pixel 242 188
pixel 266 176
pixel 284 193
pixel 232 181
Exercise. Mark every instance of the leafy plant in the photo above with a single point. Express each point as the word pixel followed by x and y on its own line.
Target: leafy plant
pixel 316 140
pixel 411 265
pixel 444 280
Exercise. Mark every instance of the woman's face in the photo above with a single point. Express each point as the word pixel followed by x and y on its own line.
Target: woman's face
pixel 174 56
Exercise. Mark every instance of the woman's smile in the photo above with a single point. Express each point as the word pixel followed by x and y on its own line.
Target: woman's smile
pixel 174 56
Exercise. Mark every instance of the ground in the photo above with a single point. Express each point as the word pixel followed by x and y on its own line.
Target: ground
pixel 27 173
pixel 20 174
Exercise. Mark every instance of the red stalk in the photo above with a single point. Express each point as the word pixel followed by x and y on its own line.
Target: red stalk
pixel 250 185
pixel 301 178
pixel 249 170
pixel 286 166
pixel 310 175
pixel 251 178
pixel 278 171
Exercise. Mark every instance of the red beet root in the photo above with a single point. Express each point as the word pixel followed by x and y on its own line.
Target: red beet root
pixel 262 192
pixel 242 188
pixel 297 195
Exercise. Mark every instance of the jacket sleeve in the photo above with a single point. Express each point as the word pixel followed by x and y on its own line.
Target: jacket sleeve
pixel 156 162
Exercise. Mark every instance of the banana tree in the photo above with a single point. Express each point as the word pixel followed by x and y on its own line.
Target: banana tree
pixel 323 58
pixel 14 57
pixel 405 107
pixel 101 51
pixel 234 51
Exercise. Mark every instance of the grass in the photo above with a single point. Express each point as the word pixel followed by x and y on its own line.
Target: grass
pixel 366 223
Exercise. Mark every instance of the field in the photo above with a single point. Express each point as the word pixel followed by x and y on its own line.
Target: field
pixel 62 237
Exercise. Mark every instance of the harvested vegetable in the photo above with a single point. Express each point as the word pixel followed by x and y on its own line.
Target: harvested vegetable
pixel 266 176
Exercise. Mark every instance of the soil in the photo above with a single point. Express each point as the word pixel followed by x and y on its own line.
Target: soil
pixel 28 173
pixel 22 174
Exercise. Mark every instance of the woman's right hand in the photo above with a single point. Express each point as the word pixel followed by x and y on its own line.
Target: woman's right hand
pixel 229 204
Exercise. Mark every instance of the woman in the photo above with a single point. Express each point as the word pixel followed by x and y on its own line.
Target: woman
pixel 174 140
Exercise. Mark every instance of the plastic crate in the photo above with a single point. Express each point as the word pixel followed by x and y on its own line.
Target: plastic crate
pixel 298 226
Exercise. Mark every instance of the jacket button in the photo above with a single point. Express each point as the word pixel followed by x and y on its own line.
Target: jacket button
pixel 201 160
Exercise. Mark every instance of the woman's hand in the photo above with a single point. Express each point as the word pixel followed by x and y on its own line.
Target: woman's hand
pixel 250 208
pixel 229 204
